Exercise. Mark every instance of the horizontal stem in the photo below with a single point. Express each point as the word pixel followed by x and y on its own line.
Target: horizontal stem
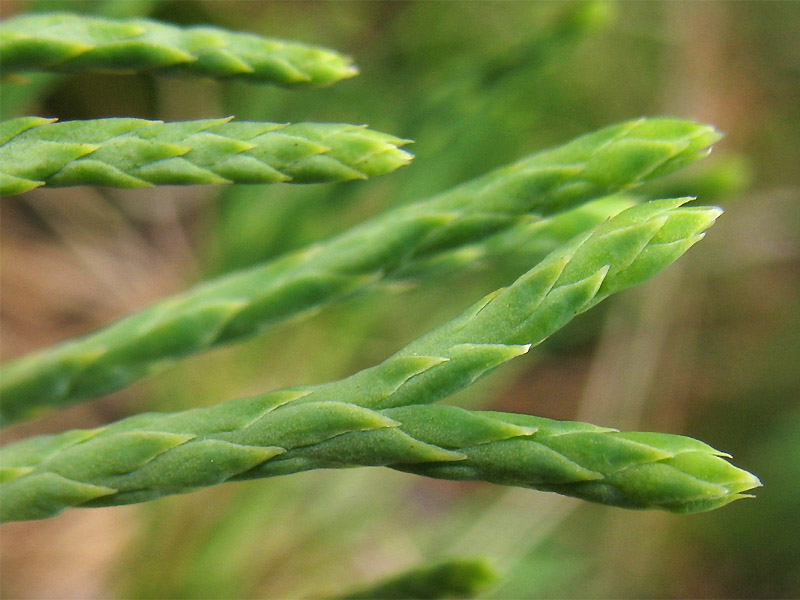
pixel 132 153
pixel 75 43
pixel 153 455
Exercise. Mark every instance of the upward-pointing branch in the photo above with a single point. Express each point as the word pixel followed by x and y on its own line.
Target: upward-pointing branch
pixel 381 416
pixel 454 227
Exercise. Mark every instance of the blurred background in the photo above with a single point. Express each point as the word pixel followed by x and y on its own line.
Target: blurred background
pixel 710 348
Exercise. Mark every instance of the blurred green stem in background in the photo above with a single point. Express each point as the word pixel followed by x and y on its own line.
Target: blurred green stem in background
pixel 455 578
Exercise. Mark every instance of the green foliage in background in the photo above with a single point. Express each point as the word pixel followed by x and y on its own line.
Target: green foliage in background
pixel 471 106
pixel 449 579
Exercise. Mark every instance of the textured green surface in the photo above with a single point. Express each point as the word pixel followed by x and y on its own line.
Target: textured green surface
pixel 152 455
pixel 453 227
pixel 133 153
pixel 72 43
pixel 379 416
pixel 619 253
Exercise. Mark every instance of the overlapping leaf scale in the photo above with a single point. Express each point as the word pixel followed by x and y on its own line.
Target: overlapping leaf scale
pixel 72 43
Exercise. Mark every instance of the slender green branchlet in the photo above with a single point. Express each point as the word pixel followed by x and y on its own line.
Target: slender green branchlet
pixel 381 416
pixel 624 251
pixel 152 455
pixel 73 43
pixel 453 228
pixel 135 153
